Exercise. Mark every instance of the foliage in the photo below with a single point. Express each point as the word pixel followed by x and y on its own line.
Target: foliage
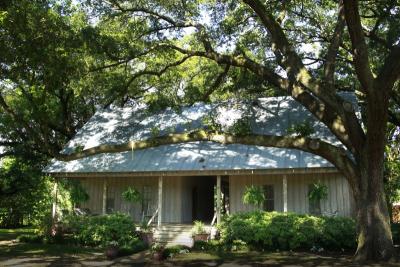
pixel 78 193
pixel 157 247
pixel 134 247
pixel 241 127
pixel 43 59
pixel 199 228
pixel 211 123
pixel 171 251
pixel 25 193
pixel 132 195
pixel 272 230
pixel 319 191
pixel 210 245
pixel 29 238
pixel 254 195
pixel 395 227
pixel 101 230
pixel 392 167
pixel 301 129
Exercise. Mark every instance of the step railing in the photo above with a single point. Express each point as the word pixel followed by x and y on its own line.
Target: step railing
pixel 152 218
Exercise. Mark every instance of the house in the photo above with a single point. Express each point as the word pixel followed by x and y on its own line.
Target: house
pixel 177 181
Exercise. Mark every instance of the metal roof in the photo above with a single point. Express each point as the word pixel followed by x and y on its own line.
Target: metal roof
pixel 114 125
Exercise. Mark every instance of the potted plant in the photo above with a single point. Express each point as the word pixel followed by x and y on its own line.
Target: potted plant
pixel 132 195
pixel 157 251
pixel 254 195
pixel 146 234
pixel 317 192
pixel 199 231
pixel 112 250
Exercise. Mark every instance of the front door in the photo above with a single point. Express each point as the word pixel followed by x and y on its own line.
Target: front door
pixel 203 199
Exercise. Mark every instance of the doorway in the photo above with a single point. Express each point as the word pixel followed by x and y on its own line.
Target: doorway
pixel 203 198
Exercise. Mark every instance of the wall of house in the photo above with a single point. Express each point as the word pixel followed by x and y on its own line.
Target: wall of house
pixel 339 194
pixel 115 187
pixel 177 196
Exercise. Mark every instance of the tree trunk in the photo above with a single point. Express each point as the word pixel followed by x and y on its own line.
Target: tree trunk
pixel 374 234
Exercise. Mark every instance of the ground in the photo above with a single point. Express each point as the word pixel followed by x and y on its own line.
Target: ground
pixel 14 253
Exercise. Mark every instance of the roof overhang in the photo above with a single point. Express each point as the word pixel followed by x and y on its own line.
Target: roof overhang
pixel 196 172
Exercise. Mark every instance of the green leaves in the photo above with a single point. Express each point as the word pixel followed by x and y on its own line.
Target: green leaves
pixel 254 195
pixel 132 195
pixel 319 191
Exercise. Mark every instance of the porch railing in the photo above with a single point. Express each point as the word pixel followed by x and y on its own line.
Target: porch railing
pixel 152 217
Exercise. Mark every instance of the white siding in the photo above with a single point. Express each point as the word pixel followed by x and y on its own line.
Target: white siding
pixel 177 196
pixel 339 194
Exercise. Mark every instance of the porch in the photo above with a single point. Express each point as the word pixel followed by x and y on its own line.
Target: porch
pixel 182 199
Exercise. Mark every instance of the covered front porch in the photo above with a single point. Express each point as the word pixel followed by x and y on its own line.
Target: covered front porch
pixel 165 199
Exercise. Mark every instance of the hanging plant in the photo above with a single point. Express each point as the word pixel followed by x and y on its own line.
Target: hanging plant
pixel 254 195
pixel 132 195
pixel 318 192
pixel 78 193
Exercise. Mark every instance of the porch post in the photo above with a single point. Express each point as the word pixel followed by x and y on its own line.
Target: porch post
pixel 160 191
pixel 54 208
pixel 284 188
pixel 218 199
pixel 104 208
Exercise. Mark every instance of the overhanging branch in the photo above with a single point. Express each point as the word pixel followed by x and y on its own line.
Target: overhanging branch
pixel 336 155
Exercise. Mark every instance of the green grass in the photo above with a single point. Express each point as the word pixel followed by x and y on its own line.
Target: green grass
pixel 10 247
pixel 9 234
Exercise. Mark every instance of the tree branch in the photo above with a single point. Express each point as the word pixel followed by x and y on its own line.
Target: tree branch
pixel 336 39
pixel 360 50
pixel 333 154
pixel 217 83
pixel 390 72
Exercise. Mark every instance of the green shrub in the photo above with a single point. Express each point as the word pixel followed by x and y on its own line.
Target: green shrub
pixel 169 252
pixel 134 246
pixel 101 230
pixel 30 238
pixel 211 245
pixel 396 233
pixel 287 231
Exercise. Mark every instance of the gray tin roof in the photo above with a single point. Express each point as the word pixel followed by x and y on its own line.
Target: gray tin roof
pixel 114 125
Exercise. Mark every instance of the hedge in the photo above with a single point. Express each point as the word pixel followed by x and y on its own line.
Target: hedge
pixel 99 231
pixel 289 231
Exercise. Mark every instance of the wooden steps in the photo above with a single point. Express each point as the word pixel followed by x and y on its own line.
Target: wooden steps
pixel 174 234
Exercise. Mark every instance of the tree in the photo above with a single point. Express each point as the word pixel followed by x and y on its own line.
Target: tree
pixel 392 168
pixel 25 193
pixel 43 98
pixel 355 48
pixel 173 52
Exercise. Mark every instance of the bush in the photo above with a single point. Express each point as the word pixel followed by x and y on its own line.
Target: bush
pixel 135 246
pixel 170 252
pixel 211 245
pixel 30 238
pixel 101 230
pixel 396 233
pixel 287 231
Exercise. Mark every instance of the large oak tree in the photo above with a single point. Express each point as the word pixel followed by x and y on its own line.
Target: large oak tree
pixel 167 52
pixel 309 50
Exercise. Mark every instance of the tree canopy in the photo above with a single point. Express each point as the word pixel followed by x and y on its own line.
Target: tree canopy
pixel 62 61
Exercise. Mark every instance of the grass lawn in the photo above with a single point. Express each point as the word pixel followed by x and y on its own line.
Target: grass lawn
pixel 268 259
pixel 14 253
pixel 10 247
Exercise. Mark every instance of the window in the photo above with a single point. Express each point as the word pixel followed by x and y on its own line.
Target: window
pixel 269 203
pixel 314 206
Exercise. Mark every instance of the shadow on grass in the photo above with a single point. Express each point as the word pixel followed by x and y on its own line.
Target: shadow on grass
pixel 8 234
pixel 269 259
